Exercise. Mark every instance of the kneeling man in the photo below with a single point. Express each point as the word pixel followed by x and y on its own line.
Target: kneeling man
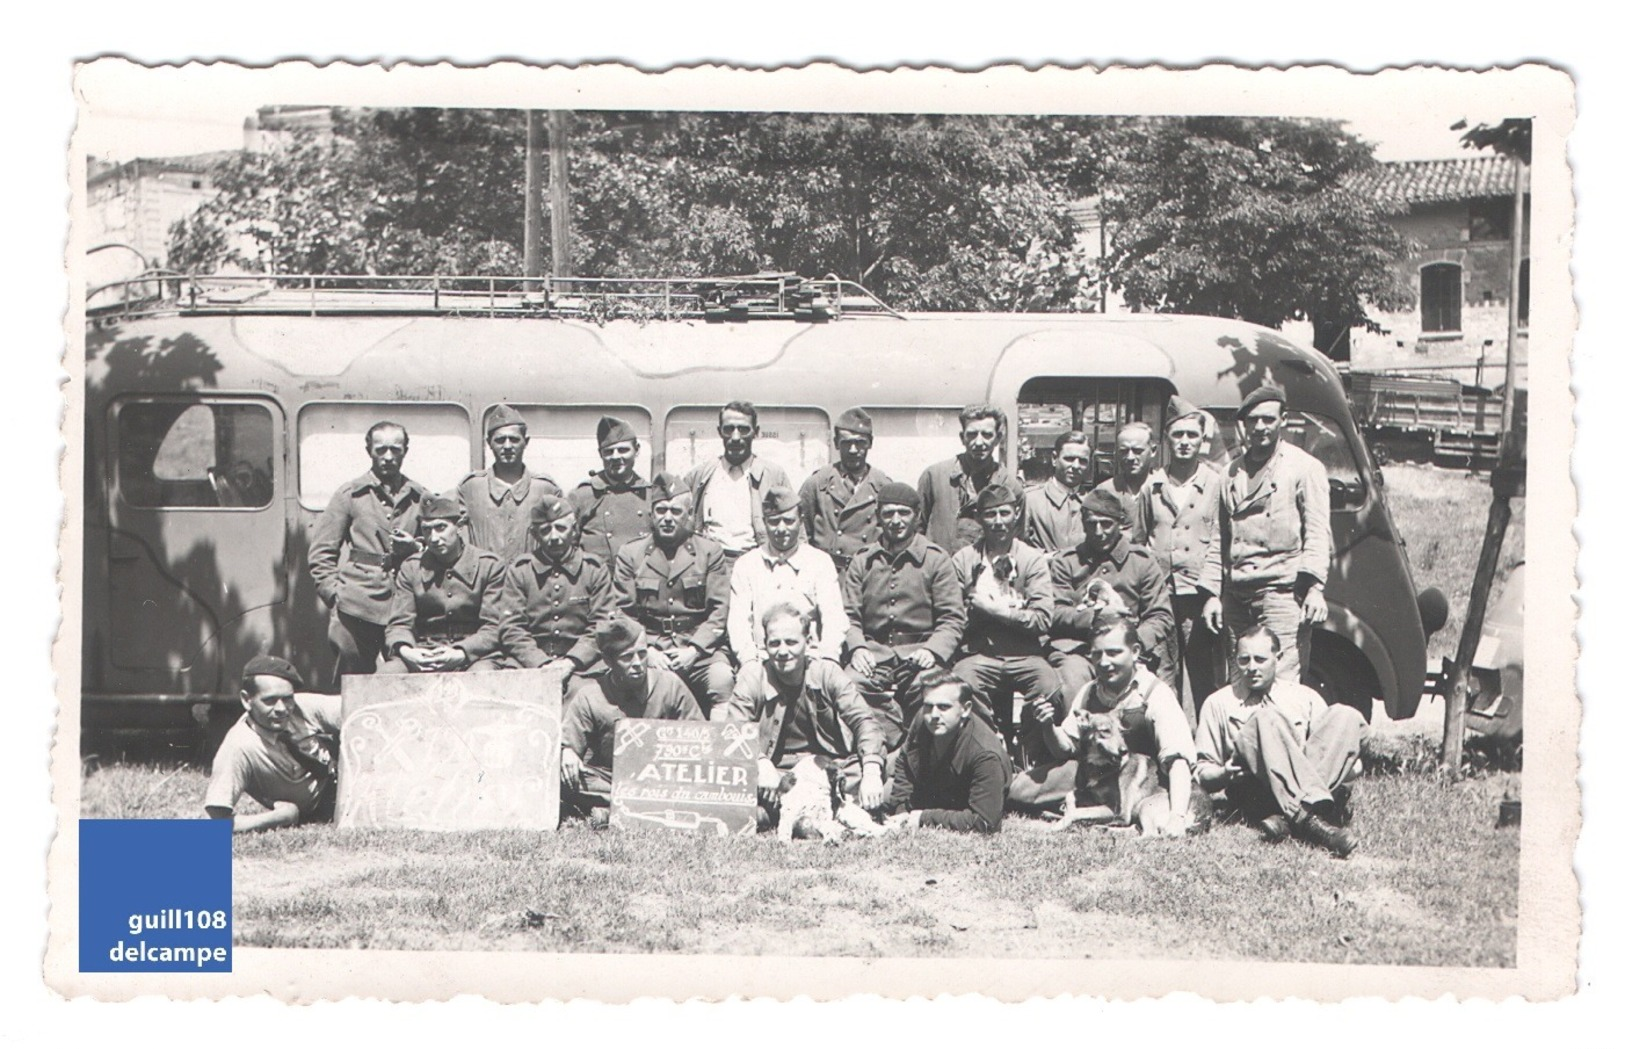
pixel 952 770
pixel 629 688
pixel 805 707
pixel 283 753
pixel 1280 753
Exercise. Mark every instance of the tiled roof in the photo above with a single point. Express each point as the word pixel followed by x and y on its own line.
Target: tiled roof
pixel 1434 181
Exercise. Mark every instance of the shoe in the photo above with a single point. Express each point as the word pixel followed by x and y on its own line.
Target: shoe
pixel 1343 805
pixel 1316 831
pixel 1274 828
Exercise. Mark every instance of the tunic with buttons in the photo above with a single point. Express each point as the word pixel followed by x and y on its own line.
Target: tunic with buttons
pixel 841 516
pixel 683 594
pixel 1274 525
pixel 1128 568
pixel 461 601
pixel 1054 516
pixel 904 600
pixel 359 518
pixel 499 514
pixel 552 608
pixel 610 515
pixel 1181 521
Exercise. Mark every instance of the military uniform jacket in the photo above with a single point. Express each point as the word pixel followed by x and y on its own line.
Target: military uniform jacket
pixel 462 600
pixel 1128 568
pixel 589 724
pixel 763 475
pixel 683 594
pixel 1023 633
pixel 610 515
pixel 906 600
pixel 551 609
pixel 1054 516
pixel 840 517
pixel 1273 526
pixel 1130 502
pixel 1181 521
pixel 357 522
pixel 948 503
pixel 843 724
pixel 498 515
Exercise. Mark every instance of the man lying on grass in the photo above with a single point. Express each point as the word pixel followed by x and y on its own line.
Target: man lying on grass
pixel 952 770
pixel 1281 755
pixel 282 753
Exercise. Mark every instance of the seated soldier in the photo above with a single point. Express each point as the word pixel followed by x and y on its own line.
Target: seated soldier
pixel 446 613
pixel 1125 728
pixel 785 570
pixel 555 596
pixel 1282 756
pixel 952 770
pixel 629 688
pixel 283 752
pixel 805 707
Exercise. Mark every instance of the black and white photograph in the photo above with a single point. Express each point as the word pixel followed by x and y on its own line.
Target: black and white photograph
pixel 951 536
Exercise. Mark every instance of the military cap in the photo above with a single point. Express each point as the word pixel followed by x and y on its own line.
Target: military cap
pixel 614 431
pixel 856 420
pixel 994 495
pixel 274 666
pixel 667 486
pixel 549 508
pixel 1099 501
pixel 504 415
pixel 1178 408
pixel 1262 395
pixel 617 635
pixel 443 507
pixel 899 494
pixel 779 500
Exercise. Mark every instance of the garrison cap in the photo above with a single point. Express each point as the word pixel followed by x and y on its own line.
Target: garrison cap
pixel 504 415
pixel 1179 408
pixel 1262 395
pixel 443 507
pixel 614 431
pixel 856 420
pixel 666 486
pixel 1099 501
pixel 899 494
pixel 779 500
pixel 275 666
pixel 994 495
pixel 617 635
pixel 549 508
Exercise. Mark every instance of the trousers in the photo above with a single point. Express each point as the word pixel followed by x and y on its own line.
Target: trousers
pixel 1199 657
pixel 997 680
pixel 1287 776
pixel 1280 611
pixel 357 644
pixel 893 694
pixel 710 677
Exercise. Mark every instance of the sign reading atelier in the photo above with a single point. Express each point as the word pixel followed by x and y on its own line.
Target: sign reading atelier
pixel 451 751
pixel 685 775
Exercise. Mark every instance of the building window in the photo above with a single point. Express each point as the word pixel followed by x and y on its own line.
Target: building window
pixel 1441 297
pixel 1489 220
pixel 1523 294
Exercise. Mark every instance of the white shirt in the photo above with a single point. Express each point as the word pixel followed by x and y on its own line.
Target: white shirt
pixel 807 580
pixel 728 509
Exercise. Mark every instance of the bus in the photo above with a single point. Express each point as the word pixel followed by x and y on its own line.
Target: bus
pixel 222 412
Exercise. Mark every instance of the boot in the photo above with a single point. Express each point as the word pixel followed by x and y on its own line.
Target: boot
pixel 1274 828
pixel 1316 831
pixel 1342 805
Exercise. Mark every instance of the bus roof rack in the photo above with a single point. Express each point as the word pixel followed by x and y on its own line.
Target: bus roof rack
pixel 759 296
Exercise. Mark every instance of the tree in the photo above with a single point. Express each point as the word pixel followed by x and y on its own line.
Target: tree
pixel 1249 218
pixel 1512 137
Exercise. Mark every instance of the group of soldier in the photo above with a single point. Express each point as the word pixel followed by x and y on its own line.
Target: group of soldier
pixel 957 648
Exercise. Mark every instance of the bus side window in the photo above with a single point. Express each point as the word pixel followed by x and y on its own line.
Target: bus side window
pixel 564 439
pixel 907 440
pixel 175 454
pixel 333 445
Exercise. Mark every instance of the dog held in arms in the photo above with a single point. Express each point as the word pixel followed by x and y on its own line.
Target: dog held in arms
pixel 812 805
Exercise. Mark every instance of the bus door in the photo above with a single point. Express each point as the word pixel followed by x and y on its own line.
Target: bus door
pixel 196 537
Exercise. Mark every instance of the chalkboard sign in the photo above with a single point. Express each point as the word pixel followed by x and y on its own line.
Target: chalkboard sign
pixel 685 776
pixel 451 751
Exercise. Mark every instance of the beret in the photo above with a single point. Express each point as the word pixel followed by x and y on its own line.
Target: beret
pixel 549 508
pixel 275 666
pixel 440 508
pixel 898 493
pixel 614 431
pixel 667 486
pixel 994 495
pixel 856 420
pixel 503 415
pixel 1178 408
pixel 1262 395
pixel 617 635
pixel 1100 501
pixel 779 500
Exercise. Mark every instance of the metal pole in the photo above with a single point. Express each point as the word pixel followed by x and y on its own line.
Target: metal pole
pixel 558 185
pixel 1520 187
pixel 535 179
pixel 1489 556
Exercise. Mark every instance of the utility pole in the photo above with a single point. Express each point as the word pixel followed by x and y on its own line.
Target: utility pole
pixel 535 178
pixel 558 185
pixel 1514 268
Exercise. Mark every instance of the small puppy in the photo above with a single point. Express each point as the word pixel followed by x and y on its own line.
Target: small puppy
pixel 812 805
pixel 1102 596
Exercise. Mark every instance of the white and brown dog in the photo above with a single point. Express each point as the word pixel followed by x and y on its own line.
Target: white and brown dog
pixel 812 805
pixel 1126 783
